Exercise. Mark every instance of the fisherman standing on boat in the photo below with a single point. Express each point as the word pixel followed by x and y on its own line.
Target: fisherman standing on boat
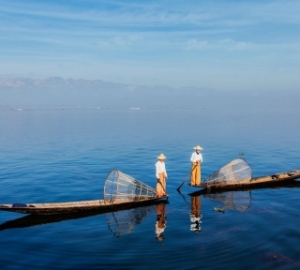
pixel 161 175
pixel 196 160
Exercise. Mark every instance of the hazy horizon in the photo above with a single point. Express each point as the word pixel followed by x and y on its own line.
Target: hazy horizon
pixel 59 92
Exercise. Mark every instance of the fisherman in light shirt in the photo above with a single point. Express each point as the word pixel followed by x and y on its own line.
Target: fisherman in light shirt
pixel 161 176
pixel 196 160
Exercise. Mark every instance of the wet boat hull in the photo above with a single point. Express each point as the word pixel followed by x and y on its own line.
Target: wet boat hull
pixel 267 180
pixel 75 207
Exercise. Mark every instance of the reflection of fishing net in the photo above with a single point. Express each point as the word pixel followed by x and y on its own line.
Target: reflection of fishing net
pixel 237 170
pixel 124 222
pixel 120 187
pixel 239 200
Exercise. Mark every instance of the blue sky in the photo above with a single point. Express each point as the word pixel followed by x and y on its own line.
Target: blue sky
pixel 224 45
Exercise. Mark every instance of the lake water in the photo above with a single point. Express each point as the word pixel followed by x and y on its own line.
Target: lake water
pixel 53 155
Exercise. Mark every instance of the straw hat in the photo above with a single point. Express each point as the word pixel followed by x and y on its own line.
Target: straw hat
pixel 198 147
pixel 161 156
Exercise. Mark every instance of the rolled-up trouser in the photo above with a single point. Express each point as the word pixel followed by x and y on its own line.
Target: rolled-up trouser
pixel 161 185
pixel 196 174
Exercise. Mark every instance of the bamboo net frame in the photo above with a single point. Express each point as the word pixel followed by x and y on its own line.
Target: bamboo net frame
pixel 237 170
pixel 120 187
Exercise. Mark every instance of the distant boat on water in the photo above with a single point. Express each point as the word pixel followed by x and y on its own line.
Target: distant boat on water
pixel 134 108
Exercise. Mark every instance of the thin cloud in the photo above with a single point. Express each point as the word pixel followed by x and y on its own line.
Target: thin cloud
pixel 157 13
pixel 193 44
pixel 232 45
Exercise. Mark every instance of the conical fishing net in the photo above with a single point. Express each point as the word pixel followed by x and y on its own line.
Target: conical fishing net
pixel 237 170
pixel 238 200
pixel 120 187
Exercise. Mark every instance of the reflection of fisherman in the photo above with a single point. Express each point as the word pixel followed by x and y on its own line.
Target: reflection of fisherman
pixel 196 160
pixel 161 222
pixel 195 214
pixel 161 175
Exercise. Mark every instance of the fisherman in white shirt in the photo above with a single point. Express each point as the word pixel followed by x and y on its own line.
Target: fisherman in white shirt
pixel 161 176
pixel 196 160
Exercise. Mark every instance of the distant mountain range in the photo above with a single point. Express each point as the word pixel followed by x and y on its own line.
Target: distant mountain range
pixel 69 84
pixel 60 92
pixel 53 83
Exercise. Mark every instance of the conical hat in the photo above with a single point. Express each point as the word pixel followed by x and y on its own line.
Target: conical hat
pixel 161 156
pixel 198 147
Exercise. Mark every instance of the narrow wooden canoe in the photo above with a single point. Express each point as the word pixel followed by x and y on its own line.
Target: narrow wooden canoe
pixel 267 180
pixel 77 207
pixel 277 185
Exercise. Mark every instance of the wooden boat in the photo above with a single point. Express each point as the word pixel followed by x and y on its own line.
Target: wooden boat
pixel 253 182
pixel 76 207
pixel 292 183
pixel 121 191
pixel 237 174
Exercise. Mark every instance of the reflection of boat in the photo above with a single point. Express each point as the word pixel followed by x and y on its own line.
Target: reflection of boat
pixel 238 174
pixel 120 191
pixel 232 200
pixel 34 220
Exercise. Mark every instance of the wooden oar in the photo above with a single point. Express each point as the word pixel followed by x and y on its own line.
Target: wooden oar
pixel 178 189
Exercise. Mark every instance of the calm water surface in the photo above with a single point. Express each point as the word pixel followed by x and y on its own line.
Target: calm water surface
pixel 52 155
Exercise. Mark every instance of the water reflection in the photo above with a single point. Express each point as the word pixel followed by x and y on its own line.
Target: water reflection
pixel 161 221
pixel 195 215
pixel 124 222
pixel 232 200
pixel 34 220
